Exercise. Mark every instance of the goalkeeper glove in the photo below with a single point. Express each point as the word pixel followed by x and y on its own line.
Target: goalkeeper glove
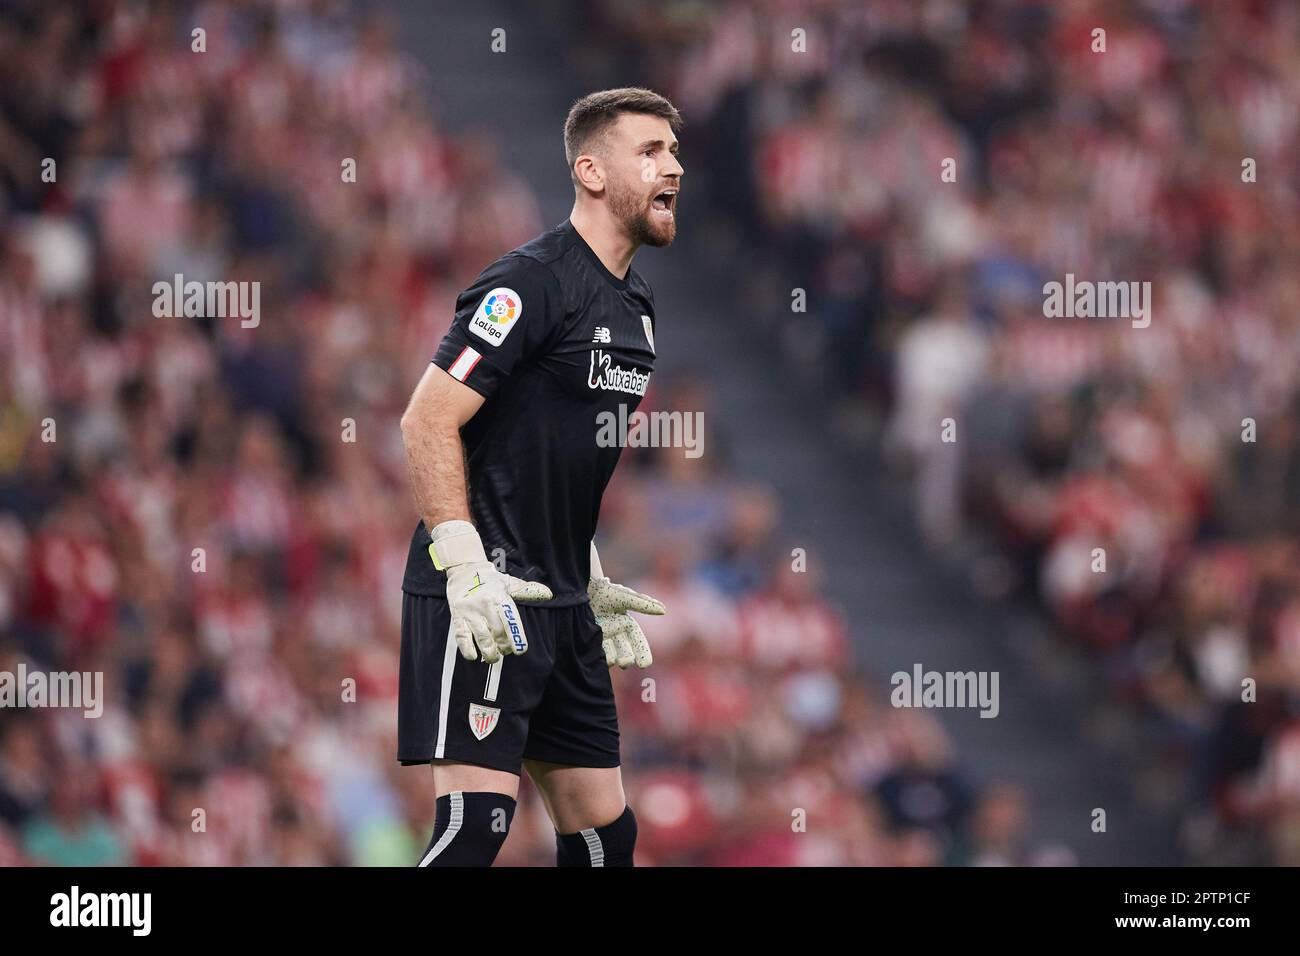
pixel 481 598
pixel 622 638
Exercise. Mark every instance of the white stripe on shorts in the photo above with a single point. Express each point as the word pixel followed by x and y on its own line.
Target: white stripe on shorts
pixel 444 696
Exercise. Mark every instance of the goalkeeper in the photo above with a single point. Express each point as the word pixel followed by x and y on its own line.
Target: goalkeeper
pixel 509 624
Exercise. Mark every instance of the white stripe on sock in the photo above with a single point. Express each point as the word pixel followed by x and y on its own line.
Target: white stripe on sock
pixel 595 849
pixel 453 827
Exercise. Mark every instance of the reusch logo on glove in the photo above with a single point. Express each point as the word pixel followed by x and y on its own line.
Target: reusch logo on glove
pixel 516 632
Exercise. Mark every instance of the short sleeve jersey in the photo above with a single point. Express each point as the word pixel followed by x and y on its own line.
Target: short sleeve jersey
pixel 561 350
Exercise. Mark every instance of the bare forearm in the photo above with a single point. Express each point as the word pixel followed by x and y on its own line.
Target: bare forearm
pixel 435 459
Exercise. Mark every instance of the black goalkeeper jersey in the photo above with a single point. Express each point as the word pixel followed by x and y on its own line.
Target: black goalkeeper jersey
pixel 551 339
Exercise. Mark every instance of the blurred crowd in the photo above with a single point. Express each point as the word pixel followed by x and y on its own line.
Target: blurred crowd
pixel 215 515
pixel 1166 156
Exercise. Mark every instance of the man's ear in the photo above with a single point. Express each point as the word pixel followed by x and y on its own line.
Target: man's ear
pixel 589 174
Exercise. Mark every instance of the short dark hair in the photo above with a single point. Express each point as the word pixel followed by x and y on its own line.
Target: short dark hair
pixel 592 115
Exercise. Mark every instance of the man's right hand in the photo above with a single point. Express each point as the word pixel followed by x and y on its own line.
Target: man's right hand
pixel 484 619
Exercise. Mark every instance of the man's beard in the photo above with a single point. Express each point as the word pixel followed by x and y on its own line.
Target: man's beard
pixel 632 211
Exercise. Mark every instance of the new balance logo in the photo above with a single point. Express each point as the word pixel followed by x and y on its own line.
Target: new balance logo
pixel 602 335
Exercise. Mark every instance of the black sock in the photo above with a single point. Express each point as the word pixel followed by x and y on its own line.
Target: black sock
pixel 468 829
pixel 610 845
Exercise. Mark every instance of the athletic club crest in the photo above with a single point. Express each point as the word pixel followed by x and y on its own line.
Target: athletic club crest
pixel 483 720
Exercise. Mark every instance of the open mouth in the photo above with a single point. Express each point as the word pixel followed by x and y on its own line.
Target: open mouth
pixel 664 203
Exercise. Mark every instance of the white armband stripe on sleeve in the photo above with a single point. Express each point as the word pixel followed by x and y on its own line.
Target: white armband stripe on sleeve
pixel 464 364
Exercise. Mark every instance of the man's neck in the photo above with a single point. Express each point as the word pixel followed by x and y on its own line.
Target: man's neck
pixel 607 240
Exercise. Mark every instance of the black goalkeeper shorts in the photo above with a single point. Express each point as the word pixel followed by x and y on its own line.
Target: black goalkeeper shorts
pixel 555 702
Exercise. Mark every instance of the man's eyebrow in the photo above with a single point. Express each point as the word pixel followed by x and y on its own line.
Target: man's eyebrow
pixel 655 142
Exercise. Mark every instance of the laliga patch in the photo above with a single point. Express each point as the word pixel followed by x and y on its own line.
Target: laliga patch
pixel 649 331
pixel 496 315
pixel 483 720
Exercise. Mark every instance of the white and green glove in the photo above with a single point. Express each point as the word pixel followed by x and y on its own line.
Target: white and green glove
pixel 624 641
pixel 481 598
